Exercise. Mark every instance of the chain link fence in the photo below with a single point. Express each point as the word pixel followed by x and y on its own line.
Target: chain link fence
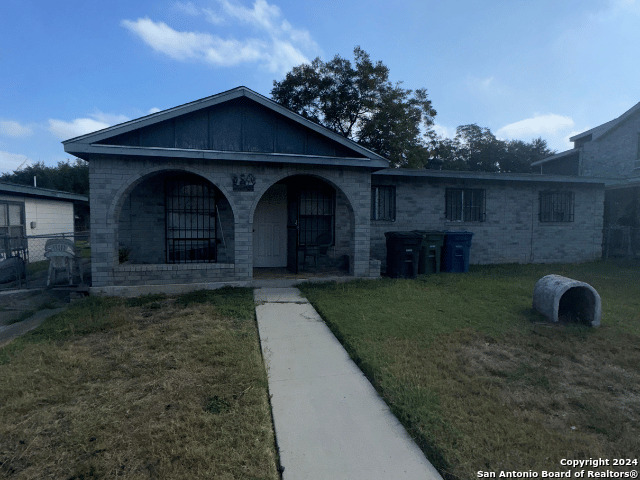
pixel 30 261
pixel 621 241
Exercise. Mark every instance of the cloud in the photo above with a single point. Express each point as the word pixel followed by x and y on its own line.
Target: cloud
pixel 10 162
pixel 261 15
pixel 187 8
pixel 555 129
pixel 484 84
pixel 153 110
pixel 80 126
pixel 550 124
pixel 12 128
pixel 443 131
pixel 278 46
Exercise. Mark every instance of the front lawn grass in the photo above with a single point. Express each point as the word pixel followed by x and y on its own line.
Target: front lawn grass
pixel 152 387
pixel 481 381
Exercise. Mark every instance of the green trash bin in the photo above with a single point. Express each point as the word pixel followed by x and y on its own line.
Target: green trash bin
pixel 402 254
pixel 430 251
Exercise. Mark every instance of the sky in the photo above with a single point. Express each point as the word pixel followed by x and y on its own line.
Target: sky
pixel 524 69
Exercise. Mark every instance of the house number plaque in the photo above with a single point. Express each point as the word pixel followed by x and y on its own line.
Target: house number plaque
pixel 243 182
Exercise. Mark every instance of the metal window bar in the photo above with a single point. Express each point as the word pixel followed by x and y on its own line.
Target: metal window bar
pixel 465 204
pixel 383 200
pixel 191 222
pixel 316 217
pixel 556 207
pixel 453 206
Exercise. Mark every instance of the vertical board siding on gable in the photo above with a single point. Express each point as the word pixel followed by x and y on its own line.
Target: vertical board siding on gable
pixel 289 138
pixel 258 131
pixel 192 131
pixel 234 126
pixel 161 135
pixel 225 128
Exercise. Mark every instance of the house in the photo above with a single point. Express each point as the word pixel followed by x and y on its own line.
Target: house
pixel 209 191
pixel 27 211
pixel 610 152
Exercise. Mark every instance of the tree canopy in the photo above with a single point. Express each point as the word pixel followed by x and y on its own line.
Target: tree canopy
pixel 360 102
pixel 66 176
pixel 477 149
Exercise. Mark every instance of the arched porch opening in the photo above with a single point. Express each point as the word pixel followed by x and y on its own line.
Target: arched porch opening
pixel 303 224
pixel 175 217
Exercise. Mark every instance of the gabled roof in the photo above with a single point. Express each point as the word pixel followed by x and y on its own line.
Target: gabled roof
pixel 601 130
pixel 28 191
pixel 594 133
pixel 556 156
pixel 101 142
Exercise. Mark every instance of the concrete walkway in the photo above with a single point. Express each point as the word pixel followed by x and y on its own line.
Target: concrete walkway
pixel 9 332
pixel 330 422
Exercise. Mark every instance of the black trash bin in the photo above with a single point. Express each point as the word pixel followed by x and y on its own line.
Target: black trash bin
pixel 455 255
pixel 403 249
pixel 430 251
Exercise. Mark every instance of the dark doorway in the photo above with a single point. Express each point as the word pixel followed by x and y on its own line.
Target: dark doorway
pixel 310 222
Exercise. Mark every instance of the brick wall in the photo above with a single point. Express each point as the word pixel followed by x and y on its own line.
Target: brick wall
pixel 125 204
pixel 511 233
pixel 615 153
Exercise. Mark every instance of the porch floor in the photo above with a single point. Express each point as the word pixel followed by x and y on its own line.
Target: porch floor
pixel 269 273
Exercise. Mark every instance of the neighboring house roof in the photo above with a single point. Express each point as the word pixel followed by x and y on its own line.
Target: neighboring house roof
pixel 101 142
pixel 486 176
pixel 557 156
pixel 27 191
pixel 595 133
pixel 601 130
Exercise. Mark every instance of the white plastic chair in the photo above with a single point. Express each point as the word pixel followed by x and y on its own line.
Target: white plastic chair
pixel 62 256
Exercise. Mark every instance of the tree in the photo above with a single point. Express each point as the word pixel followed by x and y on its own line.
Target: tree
pixel 477 149
pixel 480 147
pixel 360 102
pixel 66 176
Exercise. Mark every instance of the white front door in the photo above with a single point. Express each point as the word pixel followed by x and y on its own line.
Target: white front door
pixel 270 229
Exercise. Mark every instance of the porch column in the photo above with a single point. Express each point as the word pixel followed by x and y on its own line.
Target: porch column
pixel 243 238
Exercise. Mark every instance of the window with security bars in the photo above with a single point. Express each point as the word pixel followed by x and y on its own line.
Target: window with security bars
pixel 556 206
pixel 383 203
pixel 190 206
pixel 316 217
pixel 465 204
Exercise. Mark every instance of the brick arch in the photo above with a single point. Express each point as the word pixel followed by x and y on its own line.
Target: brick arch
pixel 117 209
pixel 344 215
pixel 259 194
pixel 132 182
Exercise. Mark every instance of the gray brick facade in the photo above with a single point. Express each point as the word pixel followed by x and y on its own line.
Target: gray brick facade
pixel 614 154
pixel 239 134
pixel 512 231
pixel 610 151
pixel 127 202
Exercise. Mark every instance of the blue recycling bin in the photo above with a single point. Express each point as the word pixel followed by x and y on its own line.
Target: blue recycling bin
pixel 455 254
